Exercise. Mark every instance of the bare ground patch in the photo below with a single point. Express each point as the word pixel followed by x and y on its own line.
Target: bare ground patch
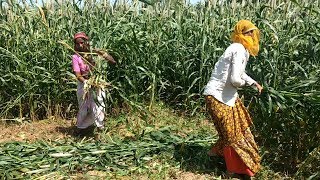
pixel 49 129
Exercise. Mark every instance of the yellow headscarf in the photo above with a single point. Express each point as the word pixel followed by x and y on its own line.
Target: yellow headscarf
pixel 250 43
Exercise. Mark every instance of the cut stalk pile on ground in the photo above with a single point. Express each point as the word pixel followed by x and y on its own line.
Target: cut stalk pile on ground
pixel 22 159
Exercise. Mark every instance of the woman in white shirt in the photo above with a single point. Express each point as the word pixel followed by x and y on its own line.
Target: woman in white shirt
pixel 231 119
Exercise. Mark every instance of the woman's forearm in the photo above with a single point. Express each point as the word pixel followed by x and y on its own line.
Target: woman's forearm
pixel 80 77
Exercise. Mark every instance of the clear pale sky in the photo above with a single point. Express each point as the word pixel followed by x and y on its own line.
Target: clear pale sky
pixel 194 1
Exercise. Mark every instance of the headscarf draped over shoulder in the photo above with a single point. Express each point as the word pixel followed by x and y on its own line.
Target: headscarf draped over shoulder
pixel 250 43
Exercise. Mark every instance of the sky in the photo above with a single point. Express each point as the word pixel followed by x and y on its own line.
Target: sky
pixel 194 1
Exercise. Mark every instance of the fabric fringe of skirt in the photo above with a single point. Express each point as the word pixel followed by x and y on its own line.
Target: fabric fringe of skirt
pixel 232 124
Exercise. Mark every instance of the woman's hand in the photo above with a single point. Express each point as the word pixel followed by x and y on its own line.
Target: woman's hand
pixel 105 55
pixel 259 87
pixel 80 77
pixel 109 58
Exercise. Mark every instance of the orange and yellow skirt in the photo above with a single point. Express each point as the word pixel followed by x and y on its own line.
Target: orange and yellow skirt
pixel 236 143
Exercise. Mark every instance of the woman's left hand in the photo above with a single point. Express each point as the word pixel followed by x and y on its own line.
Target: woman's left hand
pixel 259 87
pixel 105 55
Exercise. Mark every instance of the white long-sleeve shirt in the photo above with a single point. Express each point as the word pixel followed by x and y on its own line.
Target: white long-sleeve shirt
pixel 229 74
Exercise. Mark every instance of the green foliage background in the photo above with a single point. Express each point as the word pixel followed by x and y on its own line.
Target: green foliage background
pixel 165 52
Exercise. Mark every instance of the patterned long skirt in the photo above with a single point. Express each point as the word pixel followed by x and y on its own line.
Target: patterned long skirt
pixel 236 143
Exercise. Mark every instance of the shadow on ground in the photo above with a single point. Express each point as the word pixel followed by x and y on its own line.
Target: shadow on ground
pixel 194 158
pixel 75 132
